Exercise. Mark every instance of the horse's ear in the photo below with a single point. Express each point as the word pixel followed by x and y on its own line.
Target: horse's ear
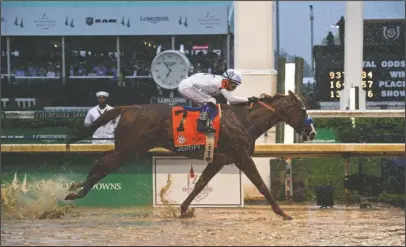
pixel 265 97
pixel 293 96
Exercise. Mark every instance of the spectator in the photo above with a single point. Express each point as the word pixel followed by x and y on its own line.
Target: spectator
pixel 106 131
pixel 81 71
pixel 100 70
pixel 20 71
pixel 42 70
pixel 51 72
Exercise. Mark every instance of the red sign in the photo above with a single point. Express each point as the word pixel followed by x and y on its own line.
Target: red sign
pixel 200 47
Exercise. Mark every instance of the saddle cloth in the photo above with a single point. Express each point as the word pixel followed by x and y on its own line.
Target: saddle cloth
pixel 190 136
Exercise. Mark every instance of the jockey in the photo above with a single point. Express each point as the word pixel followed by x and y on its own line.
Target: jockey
pixel 201 87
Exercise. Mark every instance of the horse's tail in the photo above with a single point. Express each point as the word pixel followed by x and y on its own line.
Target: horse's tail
pixel 87 131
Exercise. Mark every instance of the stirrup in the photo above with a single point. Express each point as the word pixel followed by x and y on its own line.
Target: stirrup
pixel 211 130
pixel 202 125
pixel 205 126
pixel 204 116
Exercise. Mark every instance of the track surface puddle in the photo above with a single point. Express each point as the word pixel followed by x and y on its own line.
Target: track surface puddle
pixel 252 225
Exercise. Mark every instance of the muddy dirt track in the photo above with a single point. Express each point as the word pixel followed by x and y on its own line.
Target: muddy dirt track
pixel 253 225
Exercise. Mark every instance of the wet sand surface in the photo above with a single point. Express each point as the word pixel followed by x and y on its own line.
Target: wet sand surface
pixel 252 225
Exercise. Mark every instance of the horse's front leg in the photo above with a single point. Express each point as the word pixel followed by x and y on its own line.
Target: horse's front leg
pixel 207 174
pixel 77 185
pixel 109 163
pixel 247 165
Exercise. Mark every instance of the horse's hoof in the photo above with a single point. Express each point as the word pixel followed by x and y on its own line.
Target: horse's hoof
pixel 71 196
pixel 287 217
pixel 73 186
pixel 188 214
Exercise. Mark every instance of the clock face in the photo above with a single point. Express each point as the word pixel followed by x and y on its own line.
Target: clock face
pixel 169 68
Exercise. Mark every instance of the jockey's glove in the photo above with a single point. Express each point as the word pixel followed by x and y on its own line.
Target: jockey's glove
pixel 252 99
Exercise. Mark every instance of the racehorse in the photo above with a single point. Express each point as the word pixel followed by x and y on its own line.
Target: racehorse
pixel 143 127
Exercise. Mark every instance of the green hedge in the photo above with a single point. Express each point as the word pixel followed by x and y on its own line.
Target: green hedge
pixel 369 130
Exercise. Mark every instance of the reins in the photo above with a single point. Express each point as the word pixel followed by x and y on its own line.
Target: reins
pixel 269 107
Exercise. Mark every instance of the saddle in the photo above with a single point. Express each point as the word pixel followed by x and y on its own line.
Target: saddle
pixel 188 137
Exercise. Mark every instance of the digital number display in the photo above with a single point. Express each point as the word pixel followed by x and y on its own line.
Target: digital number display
pixel 383 73
pixel 336 79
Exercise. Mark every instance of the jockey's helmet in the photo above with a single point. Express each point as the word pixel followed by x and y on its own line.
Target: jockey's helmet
pixel 234 76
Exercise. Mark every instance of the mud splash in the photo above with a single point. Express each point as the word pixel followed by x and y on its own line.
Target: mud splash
pixel 17 202
pixel 169 210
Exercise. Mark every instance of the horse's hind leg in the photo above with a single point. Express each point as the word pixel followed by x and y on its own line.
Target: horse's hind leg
pixel 109 163
pixel 207 174
pixel 247 166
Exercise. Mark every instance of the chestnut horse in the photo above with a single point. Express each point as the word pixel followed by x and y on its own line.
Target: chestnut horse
pixel 143 127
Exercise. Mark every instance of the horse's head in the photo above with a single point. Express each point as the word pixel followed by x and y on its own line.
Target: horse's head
pixel 292 111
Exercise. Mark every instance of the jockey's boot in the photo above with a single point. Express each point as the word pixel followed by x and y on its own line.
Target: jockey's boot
pixel 204 123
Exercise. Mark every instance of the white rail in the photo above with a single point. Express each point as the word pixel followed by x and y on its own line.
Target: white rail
pixel 266 150
pixel 356 113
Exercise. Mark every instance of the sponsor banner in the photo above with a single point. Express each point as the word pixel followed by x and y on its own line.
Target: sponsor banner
pixel 200 47
pixel 60 19
pixel 325 135
pixel 64 115
pixel 17 135
pixel 34 136
pixel 175 101
pixel 32 174
pixel 175 178
pixel 47 114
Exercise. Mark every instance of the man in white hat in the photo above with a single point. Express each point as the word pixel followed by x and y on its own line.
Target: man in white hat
pixel 106 131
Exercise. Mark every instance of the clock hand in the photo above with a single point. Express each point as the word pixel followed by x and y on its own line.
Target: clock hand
pixel 167 66
pixel 168 69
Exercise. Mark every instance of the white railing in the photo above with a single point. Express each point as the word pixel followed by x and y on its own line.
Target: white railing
pixel 266 150
pixel 356 113
pixel 37 77
pixel 21 102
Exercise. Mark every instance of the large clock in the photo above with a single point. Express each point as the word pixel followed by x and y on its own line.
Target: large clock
pixel 169 68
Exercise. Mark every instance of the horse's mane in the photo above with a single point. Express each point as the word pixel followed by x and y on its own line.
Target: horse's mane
pixel 269 98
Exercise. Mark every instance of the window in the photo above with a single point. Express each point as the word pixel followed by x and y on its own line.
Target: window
pixel 36 57
pixel 91 57
pixel 206 53
pixel 138 52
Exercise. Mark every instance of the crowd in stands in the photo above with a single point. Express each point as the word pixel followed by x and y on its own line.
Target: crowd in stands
pixel 34 68
pixel 39 75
